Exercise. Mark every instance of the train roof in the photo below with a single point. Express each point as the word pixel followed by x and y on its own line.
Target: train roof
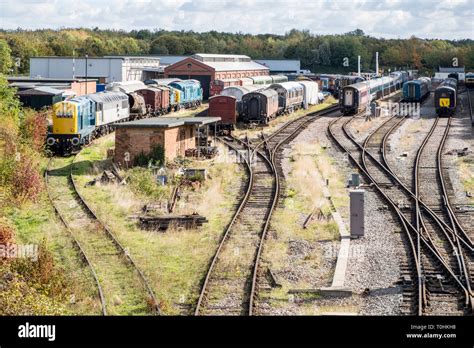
pixel 107 96
pixel 163 82
pixel 371 83
pixel 126 86
pixel 449 82
pixel 265 78
pixel 266 92
pixel 287 85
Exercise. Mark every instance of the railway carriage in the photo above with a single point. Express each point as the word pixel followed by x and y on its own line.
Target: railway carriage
pixel 225 107
pixel 259 106
pixel 245 81
pixel 469 80
pixel 125 86
pixel 356 97
pixel 416 90
pixel 218 85
pixel 239 91
pixel 262 80
pixel 310 93
pixel 279 78
pixel 110 107
pixel 290 96
pixel 445 97
pixel 156 99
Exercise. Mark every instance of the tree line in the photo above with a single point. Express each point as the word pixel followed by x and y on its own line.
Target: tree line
pixel 318 53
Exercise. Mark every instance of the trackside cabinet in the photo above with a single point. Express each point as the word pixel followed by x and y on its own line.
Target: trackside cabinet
pixel 357 212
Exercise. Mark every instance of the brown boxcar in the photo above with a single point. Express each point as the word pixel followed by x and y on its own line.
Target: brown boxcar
pixel 165 99
pixel 224 107
pixel 152 96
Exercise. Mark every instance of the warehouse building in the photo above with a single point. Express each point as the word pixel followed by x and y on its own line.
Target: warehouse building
pixel 174 134
pixel 445 72
pixel 69 87
pixel 209 67
pixel 103 69
pixel 39 97
pixel 281 66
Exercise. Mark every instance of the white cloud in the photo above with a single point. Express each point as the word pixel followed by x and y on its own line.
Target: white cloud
pixel 450 19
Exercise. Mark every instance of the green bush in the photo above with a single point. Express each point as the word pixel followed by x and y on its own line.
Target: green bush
pixel 143 183
pixel 155 157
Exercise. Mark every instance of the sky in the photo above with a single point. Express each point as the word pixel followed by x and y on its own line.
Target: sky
pixel 444 19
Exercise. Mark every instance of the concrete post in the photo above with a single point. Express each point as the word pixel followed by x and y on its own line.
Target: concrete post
pixel 357 213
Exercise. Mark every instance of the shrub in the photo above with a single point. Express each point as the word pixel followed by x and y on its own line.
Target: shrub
pixel 7 232
pixel 34 129
pixel 156 157
pixel 26 180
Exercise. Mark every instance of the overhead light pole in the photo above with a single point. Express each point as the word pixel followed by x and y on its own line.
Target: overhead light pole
pixel 87 56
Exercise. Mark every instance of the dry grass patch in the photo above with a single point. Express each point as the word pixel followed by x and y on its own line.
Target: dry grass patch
pixel 175 261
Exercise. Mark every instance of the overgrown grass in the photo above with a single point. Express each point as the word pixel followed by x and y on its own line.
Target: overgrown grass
pixel 175 262
pixel 36 224
pixel 466 174
pixel 310 167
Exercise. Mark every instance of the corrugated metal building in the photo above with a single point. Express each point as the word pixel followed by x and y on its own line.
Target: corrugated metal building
pixel 39 97
pixel 69 87
pixel 104 69
pixel 209 67
pixel 281 66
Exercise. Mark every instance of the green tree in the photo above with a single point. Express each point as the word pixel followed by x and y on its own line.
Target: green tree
pixel 5 57
pixel 172 43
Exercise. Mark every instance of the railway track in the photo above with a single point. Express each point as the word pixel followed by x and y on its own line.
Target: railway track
pixel 427 260
pixel 230 285
pixel 82 253
pixel 123 288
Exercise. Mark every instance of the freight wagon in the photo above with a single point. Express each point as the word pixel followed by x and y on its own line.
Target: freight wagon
pixel 224 107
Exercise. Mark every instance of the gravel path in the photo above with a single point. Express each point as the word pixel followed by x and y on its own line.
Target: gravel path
pixel 374 259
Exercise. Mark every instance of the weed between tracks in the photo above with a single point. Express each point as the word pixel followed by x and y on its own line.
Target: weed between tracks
pixel 174 262
pixel 466 174
pixel 293 253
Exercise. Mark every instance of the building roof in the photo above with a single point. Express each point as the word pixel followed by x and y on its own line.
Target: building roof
pixel 207 57
pixel 41 91
pixel 451 69
pixel 235 66
pixel 168 122
pixel 45 79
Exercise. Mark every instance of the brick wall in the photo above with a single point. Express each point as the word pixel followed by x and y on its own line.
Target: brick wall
pixel 132 141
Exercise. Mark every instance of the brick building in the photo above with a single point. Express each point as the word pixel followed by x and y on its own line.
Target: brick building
pixel 209 67
pixel 174 134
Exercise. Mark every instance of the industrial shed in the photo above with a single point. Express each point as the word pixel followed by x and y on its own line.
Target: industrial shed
pixel 174 134
pixel 209 67
pixel 39 97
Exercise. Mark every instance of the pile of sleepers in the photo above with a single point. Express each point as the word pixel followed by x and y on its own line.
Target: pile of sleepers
pixel 163 222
